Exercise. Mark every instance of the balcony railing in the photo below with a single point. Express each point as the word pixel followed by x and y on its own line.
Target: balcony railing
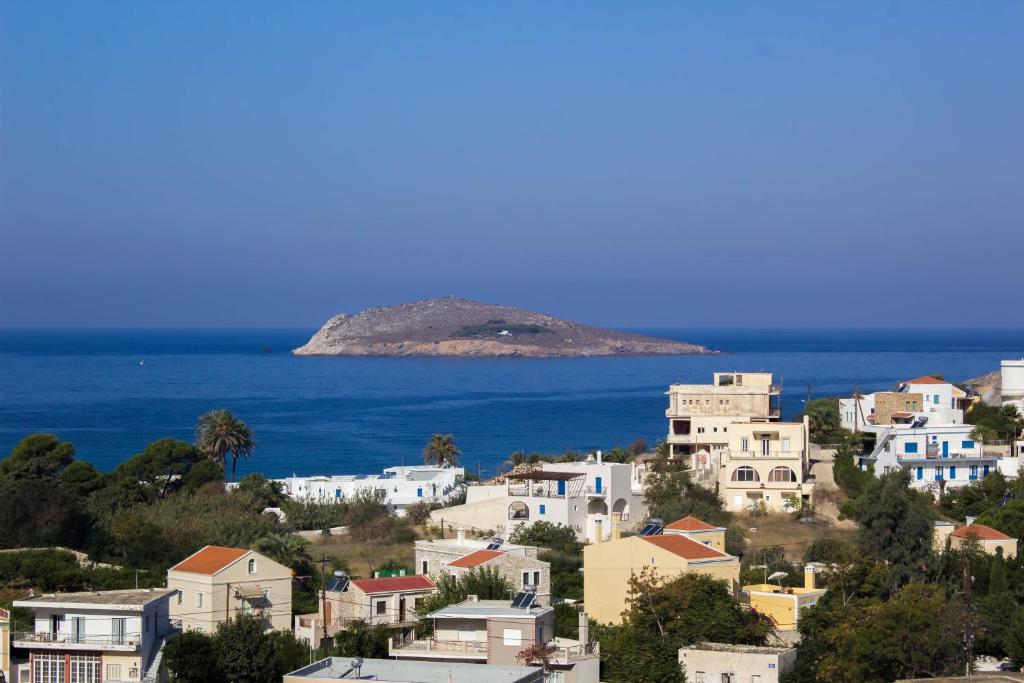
pixel 452 647
pixel 576 652
pixel 47 638
pixel 781 455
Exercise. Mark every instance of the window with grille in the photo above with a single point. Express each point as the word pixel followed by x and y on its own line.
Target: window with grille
pixel 48 668
pixel 113 672
pixel 85 668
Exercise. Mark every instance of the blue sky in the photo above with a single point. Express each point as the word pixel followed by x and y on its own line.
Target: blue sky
pixel 633 164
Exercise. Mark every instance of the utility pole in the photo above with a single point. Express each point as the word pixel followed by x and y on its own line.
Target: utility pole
pixel 808 394
pixel 969 622
pixel 323 595
pixel 856 407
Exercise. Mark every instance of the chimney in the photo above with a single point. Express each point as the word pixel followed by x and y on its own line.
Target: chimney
pixel 616 517
pixel 460 536
pixel 584 629
pixel 809 571
pixel 599 458
pixel 598 531
pixel 472 598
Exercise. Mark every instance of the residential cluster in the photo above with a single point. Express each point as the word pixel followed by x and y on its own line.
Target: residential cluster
pixel 728 435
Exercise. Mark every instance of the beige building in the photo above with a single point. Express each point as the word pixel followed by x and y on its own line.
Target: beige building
pixel 496 632
pixel 698 530
pixel 722 663
pixel 396 671
pixel 517 563
pixel 988 539
pixel 765 465
pixel 784 604
pixel 700 415
pixel 5 643
pixel 607 568
pixel 87 637
pixel 216 584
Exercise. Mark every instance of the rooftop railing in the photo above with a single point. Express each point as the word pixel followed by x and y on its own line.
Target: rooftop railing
pixel 454 647
pixel 46 637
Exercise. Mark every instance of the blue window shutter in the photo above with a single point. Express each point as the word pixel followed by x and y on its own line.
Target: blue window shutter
pixel 910 447
pixel 920 473
pixel 967 444
pixel 542 509
pixel 597 484
pixel 419 493
pixel 952 471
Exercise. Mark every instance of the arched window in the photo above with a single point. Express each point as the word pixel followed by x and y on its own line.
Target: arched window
pixel 518 510
pixel 252 566
pixel 782 474
pixel 745 473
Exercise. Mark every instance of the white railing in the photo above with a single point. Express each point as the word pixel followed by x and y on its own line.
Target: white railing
pixel 45 637
pixel 471 647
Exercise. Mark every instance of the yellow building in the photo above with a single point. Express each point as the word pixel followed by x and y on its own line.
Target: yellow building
pixel 765 465
pixel 608 566
pixel 986 537
pixel 5 644
pixel 784 604
pixel 698 530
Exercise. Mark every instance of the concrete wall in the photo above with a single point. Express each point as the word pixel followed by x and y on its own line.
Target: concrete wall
pixel 1009 547
pixel 530 631
pixel 889 402
pixel 768 664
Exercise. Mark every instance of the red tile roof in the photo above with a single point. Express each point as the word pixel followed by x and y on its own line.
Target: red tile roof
pixel 475 559
pixel 683 547
pixel 981 532
pixel 209 560
pixel 926 380
pixel 690 523
pixel 394 584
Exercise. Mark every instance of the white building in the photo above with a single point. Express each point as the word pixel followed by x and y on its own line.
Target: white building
pixel 722 663
pixel 939 457
pixel 923 400
pixel 586 496
pixel 402 486
pixel 88 637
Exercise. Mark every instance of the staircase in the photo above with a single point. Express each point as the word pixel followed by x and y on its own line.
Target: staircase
pixel 151 673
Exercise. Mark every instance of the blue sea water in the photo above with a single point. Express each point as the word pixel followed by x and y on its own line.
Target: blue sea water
pixel 111 392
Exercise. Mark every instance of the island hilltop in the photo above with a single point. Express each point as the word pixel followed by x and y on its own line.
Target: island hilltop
pixel 457 327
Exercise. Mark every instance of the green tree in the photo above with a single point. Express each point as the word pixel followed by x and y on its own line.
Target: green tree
pixel 916 634
pixel 545 535
pixel 822 417
pixel 484 582
pixel 670 494
pixel 161 465
pixel 361 640
pixel 895 525
pixel 1009 518
pixel 287 549
pixel 80 479
pixel 40 457
pixel 245 652
pixel 269 494
pixel 441 451
pixel 202 473
pixel 848 477
pixel 219 433
pixel 192 657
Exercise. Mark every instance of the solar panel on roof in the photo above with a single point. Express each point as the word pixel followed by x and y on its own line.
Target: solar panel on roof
pixel 652 530
pixel 523 600
pixel 495 543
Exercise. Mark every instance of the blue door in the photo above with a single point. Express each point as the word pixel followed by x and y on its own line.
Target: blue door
pixel 952 471
pixel 561 488
pixel 920 473
pixel 945 449
pixel 984 471
pixel 597 484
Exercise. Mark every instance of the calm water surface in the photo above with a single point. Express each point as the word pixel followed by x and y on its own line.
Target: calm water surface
pixel 341 415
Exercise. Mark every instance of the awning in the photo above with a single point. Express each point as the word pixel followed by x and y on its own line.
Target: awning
pixel 248 591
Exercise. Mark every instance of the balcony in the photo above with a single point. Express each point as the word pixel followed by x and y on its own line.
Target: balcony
pixel 69 641
pixel 441 649
pixel 758 455
pixel 596 493
pixel 566 654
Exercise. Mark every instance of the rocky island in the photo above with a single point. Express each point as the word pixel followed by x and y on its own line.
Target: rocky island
pixel 458 327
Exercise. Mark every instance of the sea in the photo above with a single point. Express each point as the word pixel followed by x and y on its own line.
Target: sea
pixel 110 392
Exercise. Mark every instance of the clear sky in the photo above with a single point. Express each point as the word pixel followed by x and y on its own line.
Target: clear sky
pixel 632 164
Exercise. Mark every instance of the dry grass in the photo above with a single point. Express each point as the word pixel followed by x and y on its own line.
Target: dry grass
pixel 782 529
pixel 362 557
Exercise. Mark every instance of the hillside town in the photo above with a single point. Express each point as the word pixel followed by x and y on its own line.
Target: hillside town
pixel 873 537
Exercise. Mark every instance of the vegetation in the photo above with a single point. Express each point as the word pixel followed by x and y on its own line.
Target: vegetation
pixel 663 615
pixel 560 548
pixel 494 328
pixel 220 433
pixel 484 582
pixel 993 423
pixel 441 451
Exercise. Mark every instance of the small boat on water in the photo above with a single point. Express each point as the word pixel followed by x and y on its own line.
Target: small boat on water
pixel 267 349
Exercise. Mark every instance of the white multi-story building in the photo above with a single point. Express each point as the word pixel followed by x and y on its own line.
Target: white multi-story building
pixel 939 457
pixel 921 400
pixel 402 486
pixel 1011 375
pixel 88 637
pixel 586 496
pixel 699 415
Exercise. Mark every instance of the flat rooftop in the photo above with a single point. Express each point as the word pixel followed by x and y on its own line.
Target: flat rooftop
pixel 742 649
pixel 122 598
pixel 402 671
pixel 481 609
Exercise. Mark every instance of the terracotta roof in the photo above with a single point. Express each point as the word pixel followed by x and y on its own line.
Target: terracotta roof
pixel 394 584
pixel 926 380
pixel 690 523
pixel 475 559
pixel 982 532
pixel 209 560
pixel 683 547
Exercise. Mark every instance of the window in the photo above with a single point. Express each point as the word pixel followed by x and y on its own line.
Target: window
pixel 543 508
pixel 419 492
pixel 967 444
pixel 423 567
pixel 952 471
pixel 782 474
pixel 467 633
pixel 381 607
pixel 48 668
pixel 745 473
pixel 973 472
pixel 939 471
pixel 252 566
pixel 85 668
pixel 785 444
pixel 199 600
pixel 935 399
pixel 526 579
pixel 512 636
pixel 910 447
pixel 536 578
pixel 416 604
pixel 714 429
pixel 700 677
pixel 744 444
pixel 180 597
pixel 700 430
pixel 114 672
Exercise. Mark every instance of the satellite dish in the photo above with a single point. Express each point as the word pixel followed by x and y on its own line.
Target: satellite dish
pixel 357 664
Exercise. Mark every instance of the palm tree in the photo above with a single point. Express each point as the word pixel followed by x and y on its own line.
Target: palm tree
pixel 288 549
pixel 441 451
pixel 219 433
pixel 570 456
